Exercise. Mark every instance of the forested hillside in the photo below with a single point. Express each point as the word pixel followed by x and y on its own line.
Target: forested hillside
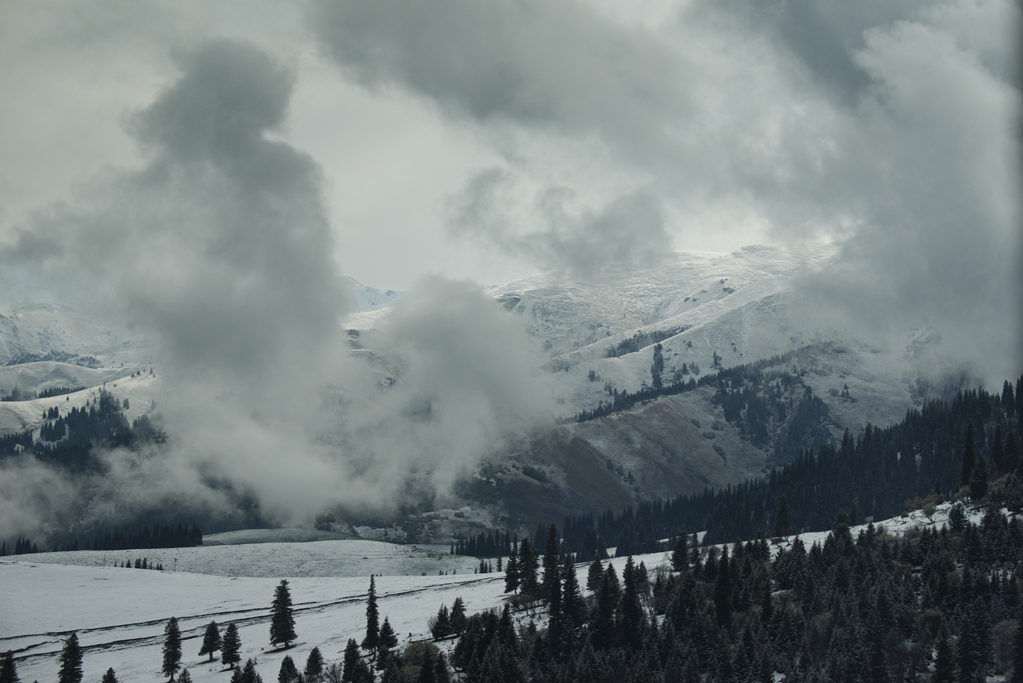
pixel 872 475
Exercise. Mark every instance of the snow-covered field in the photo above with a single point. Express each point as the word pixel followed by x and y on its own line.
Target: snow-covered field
pixel 119 614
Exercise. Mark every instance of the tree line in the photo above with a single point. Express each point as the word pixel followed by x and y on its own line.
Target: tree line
pixel 160 536
pixel 872 475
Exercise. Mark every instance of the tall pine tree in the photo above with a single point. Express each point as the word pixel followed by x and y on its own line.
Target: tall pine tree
pixel 969 457
pixel 313 666
pixel 70 661
pixel 210 640
pixel 372 638
pixel 171 648
pixel 551 587
pixel 511 576
pixel 231 646
pixel 8 671
pixel 282 618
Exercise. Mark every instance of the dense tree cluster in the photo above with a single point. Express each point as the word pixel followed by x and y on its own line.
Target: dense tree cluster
pixel 178 535
pixel 67 439
pixel 641 340
pixel 59 391
pixel 939 605
pixel 734 376
pixel 484 544
pixel 875 473
pixel 14 444
pixel 22 546
pixel 942 603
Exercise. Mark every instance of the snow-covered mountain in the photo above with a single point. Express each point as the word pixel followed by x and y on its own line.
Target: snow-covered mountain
pixel 72 334
pixel 707 311
pixel 370 299
pixel 598 338
pixel 119 614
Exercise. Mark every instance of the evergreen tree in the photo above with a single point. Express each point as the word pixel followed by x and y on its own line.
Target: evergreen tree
pixel 288 672
pixel 210 640
pixel 231 646
pixel 392 674
pixel 314 665
pixel 723 591
pixel 969 654
pixel 957 518
pixel 978 480
pixel 782 527
pixel 551 587
pixel 595 574
pixel 111 677
pixel 1017 650
pixel 70 661
pixel 613 583
pixel 457 618
pixel 969 457
pixel 680 553
pixel 388 638
pixel 171 648
pixel 998 463
pixel 441 673
pixel 602 621
pixel 428 669
pixel 440 626
pixel 372 619
pixel 529 563
pixel 572 604
pixel 8 671
pixel 632 619
pixel 511 576
pixel 249 673
pixel 1011 453
pixel 282 619
pixel 350 661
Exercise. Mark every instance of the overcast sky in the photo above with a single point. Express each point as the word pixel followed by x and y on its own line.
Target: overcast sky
pixel 487 141
pixel 455 136
pixel 212 170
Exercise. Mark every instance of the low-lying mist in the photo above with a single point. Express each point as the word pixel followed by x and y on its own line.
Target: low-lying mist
pixel 219 249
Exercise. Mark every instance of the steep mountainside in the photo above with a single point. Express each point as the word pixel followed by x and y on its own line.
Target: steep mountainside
pixel 626 357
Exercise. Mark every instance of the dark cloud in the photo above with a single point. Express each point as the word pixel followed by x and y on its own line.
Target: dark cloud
pixel 220 245
pixel 888 127
pixel 628 233
pixel 547 62
pixel 465 376
pixel 219 248
pixel 824 35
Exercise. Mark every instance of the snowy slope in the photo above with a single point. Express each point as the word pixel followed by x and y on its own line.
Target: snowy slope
pixel 142 392
pixel 370 299
pixel 119 614
pixel 71 333
pixel 598 334
pixel 598 337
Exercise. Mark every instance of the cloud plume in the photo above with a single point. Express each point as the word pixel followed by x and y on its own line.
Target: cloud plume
pixel 889 128
pixel 626 234
pixel 220 249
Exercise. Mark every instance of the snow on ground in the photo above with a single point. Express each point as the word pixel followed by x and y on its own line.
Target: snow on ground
pixel 143 393
pixel 119 614
pixel 896 526
pixel 345 558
